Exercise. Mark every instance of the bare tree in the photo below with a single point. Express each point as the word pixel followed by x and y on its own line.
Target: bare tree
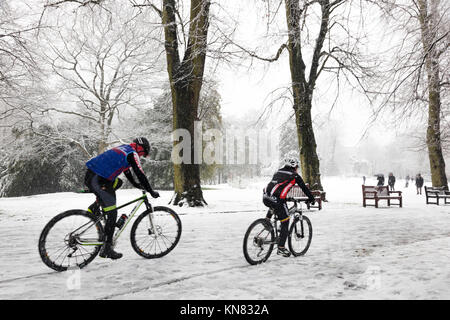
pixel 186 47
pixel 186 78
pixel 334 47
pixel 103 61
pixel 419 72
pixel 18 68
pixel 323 42
pixel 186 44
pixel 16 59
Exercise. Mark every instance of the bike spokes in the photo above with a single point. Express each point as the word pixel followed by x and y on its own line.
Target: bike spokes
pixel 71 239
pixel 156 235
pixel 300 235
pixel 258 242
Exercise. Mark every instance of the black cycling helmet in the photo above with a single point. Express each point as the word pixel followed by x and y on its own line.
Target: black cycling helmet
pixel 143 142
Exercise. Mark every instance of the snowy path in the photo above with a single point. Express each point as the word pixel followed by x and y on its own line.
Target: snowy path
pixel 356 252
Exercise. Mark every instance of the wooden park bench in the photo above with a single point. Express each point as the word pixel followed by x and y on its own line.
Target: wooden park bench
pixel 437 193
pixel 377 193
pixel 297 192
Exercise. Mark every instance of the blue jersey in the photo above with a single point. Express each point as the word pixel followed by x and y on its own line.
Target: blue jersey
pixel 110 164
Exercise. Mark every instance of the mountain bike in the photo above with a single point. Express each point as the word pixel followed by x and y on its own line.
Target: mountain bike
pixel 73 238
pixel 263 234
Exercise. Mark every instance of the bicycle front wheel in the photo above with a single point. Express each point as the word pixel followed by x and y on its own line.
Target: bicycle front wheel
pixel 300 236
pixel 259 241
pixel 72 239
pixel 155 237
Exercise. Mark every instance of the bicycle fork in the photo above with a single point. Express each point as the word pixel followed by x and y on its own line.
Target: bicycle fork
pixel 299 233
pixel 152 230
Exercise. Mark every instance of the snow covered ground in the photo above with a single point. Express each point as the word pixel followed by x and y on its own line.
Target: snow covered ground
pixel 356 252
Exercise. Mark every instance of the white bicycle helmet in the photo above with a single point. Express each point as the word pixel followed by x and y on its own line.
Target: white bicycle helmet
pixel 291 162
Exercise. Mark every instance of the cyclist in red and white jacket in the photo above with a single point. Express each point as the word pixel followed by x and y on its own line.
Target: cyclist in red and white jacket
pixel 275 197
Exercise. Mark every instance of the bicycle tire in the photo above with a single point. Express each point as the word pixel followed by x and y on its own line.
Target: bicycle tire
pixel 162 217
pixel 66 245
pixel 258 242
pixel 296 237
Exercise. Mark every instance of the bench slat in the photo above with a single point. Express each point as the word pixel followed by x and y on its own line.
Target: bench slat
pixel 437 193
pixel 297 192
pixel 377 193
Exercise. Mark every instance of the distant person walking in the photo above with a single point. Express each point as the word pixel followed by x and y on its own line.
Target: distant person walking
pixel 380 179
pixel 407 181
pixel 419 183
pixel 364 180
pixel 391 181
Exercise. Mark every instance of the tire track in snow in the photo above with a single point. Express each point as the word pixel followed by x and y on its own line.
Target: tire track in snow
pixel 217 212
pixel 169 282
pixel 28 277
pixel 235 211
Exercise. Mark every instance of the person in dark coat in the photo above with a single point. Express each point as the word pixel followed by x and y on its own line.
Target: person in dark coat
pixel 391 181
pixel 380 179
pixel 419 183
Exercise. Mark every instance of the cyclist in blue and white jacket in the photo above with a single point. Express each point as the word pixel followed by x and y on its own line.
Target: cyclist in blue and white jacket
pixel 102 179
pixel 275 197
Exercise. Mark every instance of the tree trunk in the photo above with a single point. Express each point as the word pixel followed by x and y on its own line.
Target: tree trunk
pixel 302 94
pixel 186 175
pixel 186 79
pixel 437 162
pixel 436 158
pixel 307 144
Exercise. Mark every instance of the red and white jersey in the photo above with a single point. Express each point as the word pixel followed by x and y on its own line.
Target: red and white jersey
pixel 282 181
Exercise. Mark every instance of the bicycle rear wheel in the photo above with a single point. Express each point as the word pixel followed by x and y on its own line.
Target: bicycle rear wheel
pixel 300 236
pixel 259 241
pixel 72 239
pixel 154 243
